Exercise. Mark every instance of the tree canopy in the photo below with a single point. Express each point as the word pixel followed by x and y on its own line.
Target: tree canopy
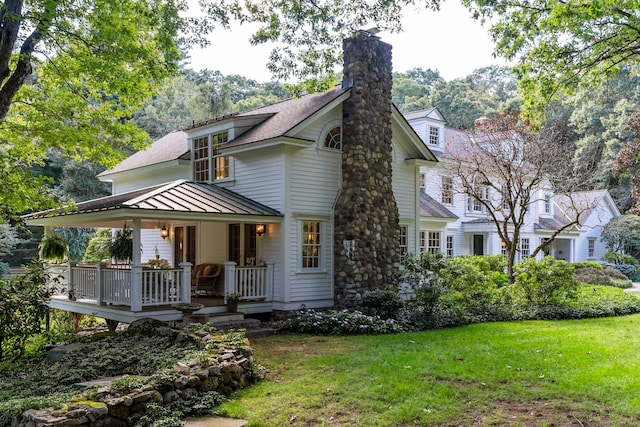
pixel 71 75
pixel 562 44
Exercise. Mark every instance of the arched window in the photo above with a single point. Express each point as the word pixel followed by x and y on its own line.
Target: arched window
pixel 334 138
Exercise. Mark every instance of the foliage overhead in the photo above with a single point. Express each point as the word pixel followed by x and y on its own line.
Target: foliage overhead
pixel 562 44
pixel 71 75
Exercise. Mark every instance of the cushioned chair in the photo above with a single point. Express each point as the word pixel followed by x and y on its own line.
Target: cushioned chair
pixel 205 278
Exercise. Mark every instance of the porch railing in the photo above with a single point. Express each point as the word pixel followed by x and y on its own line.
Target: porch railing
pixel 253 283
pixel 151 287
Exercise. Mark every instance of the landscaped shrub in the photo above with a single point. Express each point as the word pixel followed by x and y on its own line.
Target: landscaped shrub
pixel 345 322
pixel 604 276
pixel 545 282
pixel 629 270
pixel 585 264
pixel 474 280
pixel 618 258
pixel 23 306
pixel 384 303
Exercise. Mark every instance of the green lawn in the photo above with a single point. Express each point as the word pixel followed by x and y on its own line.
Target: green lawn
pixel 536 373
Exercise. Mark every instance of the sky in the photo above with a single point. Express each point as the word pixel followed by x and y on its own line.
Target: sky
pixel 448 40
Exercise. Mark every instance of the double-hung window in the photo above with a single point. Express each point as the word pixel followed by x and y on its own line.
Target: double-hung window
pixel 208 163
pixel 404 244
pixel 434 135
pixel 591 248
pixel 447 190
pixel 433 242
pixel 311 245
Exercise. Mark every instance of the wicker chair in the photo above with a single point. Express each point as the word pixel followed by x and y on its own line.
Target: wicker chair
pixel 205 278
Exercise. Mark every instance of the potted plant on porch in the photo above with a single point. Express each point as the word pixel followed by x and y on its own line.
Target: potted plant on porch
pixel 232 302
pixel 53 249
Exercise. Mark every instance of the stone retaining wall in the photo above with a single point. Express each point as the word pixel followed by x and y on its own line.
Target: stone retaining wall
pixel 228 370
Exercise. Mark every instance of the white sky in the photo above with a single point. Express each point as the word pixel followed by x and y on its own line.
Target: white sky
pixel 448 40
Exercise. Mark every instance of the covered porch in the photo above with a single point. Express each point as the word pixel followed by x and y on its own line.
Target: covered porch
pixel 185 225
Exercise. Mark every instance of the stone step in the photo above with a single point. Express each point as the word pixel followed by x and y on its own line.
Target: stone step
pixel 237 324
pixel 215 422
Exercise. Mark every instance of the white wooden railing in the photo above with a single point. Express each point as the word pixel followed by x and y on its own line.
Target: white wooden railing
pixel 136 287
pixel 253 283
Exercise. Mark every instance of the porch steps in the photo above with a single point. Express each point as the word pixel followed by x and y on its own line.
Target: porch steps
pixel 226 321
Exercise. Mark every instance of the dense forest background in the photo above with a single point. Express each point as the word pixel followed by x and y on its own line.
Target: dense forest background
pixel 594 123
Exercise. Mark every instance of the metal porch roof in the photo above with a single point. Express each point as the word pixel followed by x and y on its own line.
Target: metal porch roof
pixel 178 196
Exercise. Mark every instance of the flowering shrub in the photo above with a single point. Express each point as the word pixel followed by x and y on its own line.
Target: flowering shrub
pixel 345 322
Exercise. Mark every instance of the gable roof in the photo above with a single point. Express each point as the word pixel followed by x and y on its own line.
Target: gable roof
pixel 170 147
pixel 431 208
pixel 429 113
pixel 285 116
pixel 179 196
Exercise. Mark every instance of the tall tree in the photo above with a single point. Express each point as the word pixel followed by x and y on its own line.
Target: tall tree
pixel 96 63
pixel 507 168
pixel 560 44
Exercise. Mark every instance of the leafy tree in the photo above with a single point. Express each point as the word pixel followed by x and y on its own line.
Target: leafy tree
pixel 23 306
pixel 99 247
pixel 622 234
pixel 561 44
pixel 96 62
pixel 8 241
pixel 626 162
pixel 505 170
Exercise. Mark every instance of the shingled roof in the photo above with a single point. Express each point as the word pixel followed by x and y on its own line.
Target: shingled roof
pixel 431 208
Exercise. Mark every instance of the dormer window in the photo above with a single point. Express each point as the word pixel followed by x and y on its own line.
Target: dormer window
pixel 333 139
pixel 434 135
pixel 206 152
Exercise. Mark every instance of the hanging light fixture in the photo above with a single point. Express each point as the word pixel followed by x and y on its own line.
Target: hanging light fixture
pixel 260 229
pixel 164 232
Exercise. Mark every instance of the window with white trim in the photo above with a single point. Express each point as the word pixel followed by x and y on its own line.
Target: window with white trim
pixel 404 245
pixel 311 245
pixel 547 203
pixel 474 204
pixel 434 135
pixel 591 246
pixel 333 139
pixel 221 163
pixel 449 245
pixel 525 248
pixel 433 242
pixel 505 198
pixel 503 248
pixel 423 183
pixel 447 190
pixel 206 154
pixel 423 241
pixel 201 159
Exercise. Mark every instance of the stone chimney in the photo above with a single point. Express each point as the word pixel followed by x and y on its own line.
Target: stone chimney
pixel 367 249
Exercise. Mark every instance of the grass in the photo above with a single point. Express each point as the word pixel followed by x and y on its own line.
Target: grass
pixel 534 373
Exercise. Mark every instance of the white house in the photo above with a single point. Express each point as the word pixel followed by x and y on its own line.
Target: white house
pixel 464 227
pixel 259 193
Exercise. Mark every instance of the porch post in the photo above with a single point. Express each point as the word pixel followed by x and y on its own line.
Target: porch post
pixel 136 267
pixel 136 287
pixel 70 284
pixel 99 284
pixel 186 282
pixel 269 279
pixel 229 278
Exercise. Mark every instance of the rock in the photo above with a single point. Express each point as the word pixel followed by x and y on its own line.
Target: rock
pixel 181 382
pixel 170 396
pixel 58 353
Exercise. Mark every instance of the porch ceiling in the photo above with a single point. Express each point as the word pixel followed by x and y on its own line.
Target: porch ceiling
pixel 178 200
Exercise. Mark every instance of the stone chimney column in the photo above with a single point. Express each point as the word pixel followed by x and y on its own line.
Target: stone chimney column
pixel 367 249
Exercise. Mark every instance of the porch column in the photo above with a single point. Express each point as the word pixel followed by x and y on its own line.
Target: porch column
pixel 186 282
pixel 99 283
pixel 136 267
pixel 229 278
pixel 269 278
pixel 136 287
